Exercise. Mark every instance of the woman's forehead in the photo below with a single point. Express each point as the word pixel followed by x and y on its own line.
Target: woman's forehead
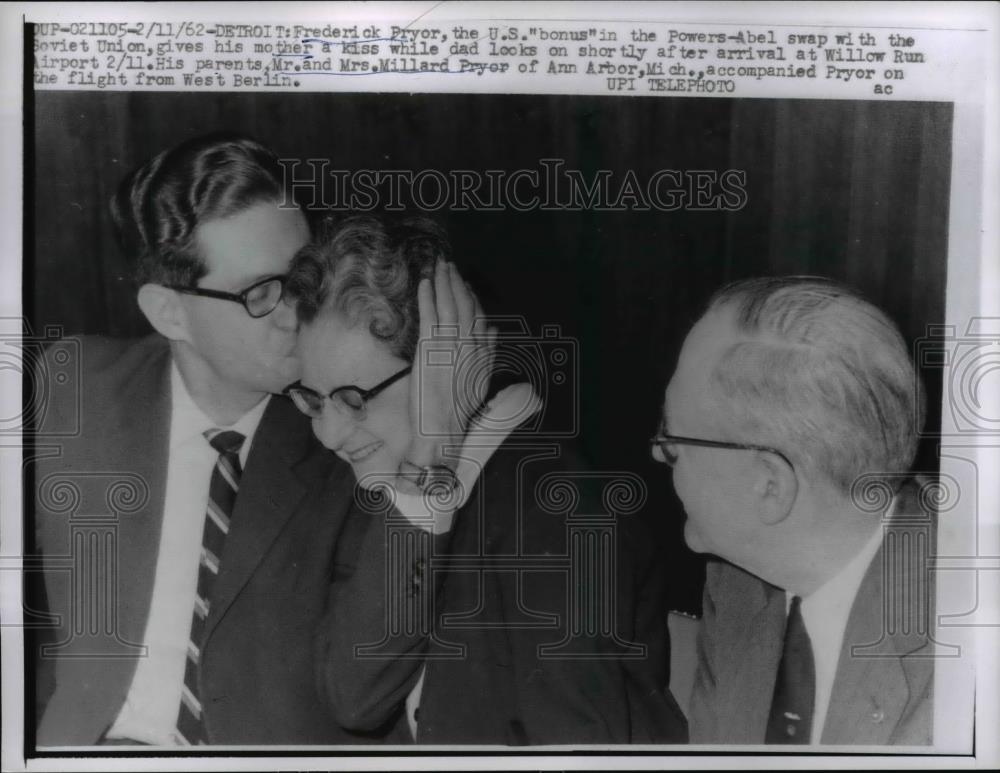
pixel 336 353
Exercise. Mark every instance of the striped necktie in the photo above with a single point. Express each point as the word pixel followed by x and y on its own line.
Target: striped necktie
pixel 791 715
pixel 221 499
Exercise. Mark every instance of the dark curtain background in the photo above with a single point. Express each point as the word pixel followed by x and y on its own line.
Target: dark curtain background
pixel 852 190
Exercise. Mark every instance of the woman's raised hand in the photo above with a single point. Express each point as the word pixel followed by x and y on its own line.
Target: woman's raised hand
pixel 451 366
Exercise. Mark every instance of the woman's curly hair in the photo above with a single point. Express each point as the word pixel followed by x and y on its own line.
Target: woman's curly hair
pixel 368 269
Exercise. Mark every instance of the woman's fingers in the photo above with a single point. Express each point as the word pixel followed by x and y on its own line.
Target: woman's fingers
pixel 446 301
pixel 426 307
pixel 444 298
pixel 464 303
pixel 480 328
pixel 492 334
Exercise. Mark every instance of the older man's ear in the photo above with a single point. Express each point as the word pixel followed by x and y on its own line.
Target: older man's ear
pixel 775 487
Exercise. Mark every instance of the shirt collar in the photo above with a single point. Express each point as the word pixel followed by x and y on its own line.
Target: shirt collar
pixel 188 421
pixel 844 585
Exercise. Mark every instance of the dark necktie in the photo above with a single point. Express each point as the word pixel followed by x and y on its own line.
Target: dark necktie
pixel 221 499
pixel 795 688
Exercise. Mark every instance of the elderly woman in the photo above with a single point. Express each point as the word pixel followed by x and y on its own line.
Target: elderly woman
pixel 450 607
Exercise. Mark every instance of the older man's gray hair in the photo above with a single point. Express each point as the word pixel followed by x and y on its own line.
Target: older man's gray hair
pixel 821 374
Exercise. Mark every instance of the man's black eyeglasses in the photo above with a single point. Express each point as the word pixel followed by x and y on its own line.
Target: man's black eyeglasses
pixel 259 299
pixel 668 454
pixel 350 399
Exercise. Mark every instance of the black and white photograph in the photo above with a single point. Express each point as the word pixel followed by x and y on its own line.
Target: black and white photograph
pixel 363 424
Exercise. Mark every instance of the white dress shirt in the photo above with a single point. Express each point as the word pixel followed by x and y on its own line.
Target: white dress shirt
pixel 825 612
pixel 503 414
pixel 149 713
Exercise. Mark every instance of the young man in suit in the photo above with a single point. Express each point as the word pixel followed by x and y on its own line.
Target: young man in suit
pixel 793 407
pixel 213 567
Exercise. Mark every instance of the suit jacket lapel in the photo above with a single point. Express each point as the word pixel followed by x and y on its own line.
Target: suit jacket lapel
pixel 271 487
pixel 142 442
pixel 757 612
pixel 136 440
pixel 886 659
pixel 872 688
pixel 125 438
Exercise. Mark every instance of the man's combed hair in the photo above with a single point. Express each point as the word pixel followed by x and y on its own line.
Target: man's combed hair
pixel 369 269
pixel 159 205
pixel 821 374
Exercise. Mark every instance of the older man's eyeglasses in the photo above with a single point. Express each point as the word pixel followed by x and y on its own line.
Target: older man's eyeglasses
pixel 351 400
pixel 259 299
pixel 664 447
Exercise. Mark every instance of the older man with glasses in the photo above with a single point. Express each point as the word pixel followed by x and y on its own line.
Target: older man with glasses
pixel 792 401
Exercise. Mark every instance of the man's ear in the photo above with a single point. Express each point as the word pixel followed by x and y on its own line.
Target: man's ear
pixel 775 487
pixel 164 311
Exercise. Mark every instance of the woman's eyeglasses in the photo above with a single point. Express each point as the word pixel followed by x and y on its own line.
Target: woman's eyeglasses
pixel 351 400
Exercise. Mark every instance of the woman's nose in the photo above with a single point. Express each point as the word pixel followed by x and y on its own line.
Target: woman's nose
pixel 332 427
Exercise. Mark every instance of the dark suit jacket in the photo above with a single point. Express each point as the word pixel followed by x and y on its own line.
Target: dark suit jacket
pixel 882 691
pixel 476 607
pixel 98 515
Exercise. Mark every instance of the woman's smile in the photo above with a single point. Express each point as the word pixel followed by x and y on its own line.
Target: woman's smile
pixel 362 453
